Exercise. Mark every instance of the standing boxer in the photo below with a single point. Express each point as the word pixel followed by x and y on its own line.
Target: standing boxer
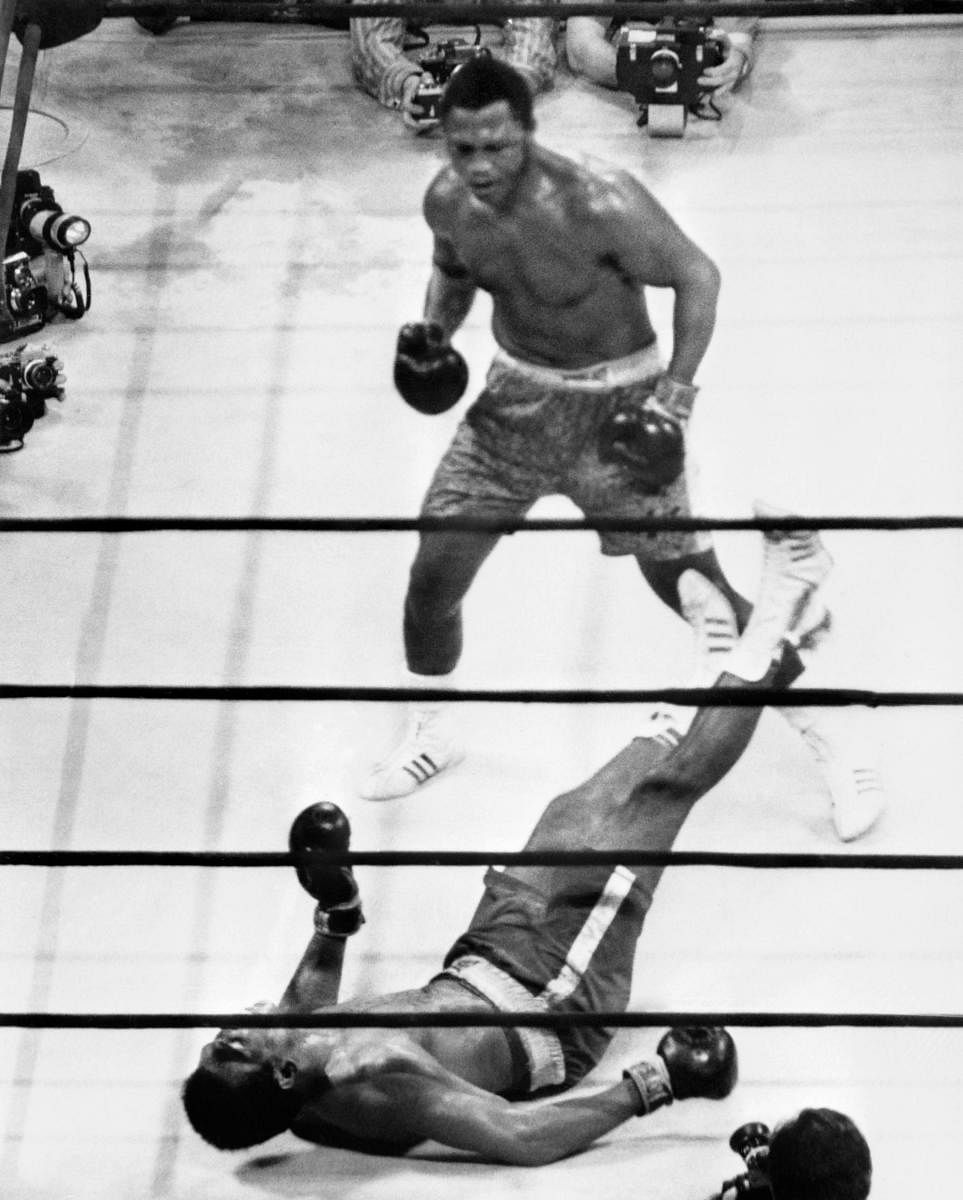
pixel 578 400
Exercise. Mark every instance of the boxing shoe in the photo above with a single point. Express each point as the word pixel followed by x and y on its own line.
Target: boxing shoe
pixel 715 631
pixel 795 563
pixel 323 827
pixel 666 723
pixel 839 741
pixel 712 620
pixel 427 748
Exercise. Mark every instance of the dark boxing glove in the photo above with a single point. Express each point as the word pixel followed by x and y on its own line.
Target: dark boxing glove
pixel 324 827
pixel 701 1061
pixel 430 374
pixel 648 437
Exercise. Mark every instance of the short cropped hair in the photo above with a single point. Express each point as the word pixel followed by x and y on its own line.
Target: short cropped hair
pixel 819 1155
pixel 235 1115
pixel 485 80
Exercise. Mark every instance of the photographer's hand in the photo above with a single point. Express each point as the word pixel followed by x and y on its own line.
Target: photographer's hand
pixel 411 113
pixel 733 68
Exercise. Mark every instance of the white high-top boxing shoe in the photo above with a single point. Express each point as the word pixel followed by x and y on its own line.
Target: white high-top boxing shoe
pixel 841 743
pixel 712 620
pixel 839 738
pixel 787 607
pixel 427 748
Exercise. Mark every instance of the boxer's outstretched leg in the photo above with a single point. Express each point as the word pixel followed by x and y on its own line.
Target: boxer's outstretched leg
pixel 640 799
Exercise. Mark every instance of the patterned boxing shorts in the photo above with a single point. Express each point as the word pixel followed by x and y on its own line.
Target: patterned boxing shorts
pixel 534 432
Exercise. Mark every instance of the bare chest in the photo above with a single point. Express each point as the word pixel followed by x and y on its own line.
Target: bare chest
pixel 549 260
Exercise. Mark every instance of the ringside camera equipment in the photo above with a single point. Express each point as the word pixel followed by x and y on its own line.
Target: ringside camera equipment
pixel 40 277
pixel 30 375
pixel 661 65
pixel 751 1143
pixel 443 61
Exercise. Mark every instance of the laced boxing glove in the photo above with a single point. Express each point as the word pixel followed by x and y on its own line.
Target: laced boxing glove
pixel 429 373
pixel 697 1060
pixel 324 827
pixel 648 438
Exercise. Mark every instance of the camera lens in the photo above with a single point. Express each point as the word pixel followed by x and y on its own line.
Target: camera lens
pixel 665 68
pixel 39 374
pixel 54 227
pixel 70 231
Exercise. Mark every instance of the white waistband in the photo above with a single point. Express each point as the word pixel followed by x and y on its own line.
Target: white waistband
pixel 543 1050
pixel 633 368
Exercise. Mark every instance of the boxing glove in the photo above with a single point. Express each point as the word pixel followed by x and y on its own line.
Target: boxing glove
pixel 647 442
pixel 429 373
pixel 692 1061
pixel 324 827
pixel 701 1061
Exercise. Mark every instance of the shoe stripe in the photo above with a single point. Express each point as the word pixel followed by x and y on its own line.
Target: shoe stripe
pixel 422 768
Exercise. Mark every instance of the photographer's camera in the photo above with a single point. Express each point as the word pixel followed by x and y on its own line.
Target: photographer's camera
pixel 661 67
pixel 30 375
pixel 40 277
pixel 751 1143
pixel 440 65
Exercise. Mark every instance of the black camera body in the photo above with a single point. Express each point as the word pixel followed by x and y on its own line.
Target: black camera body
pixel 441 64
pixel 751 1143
pixel 661 65
pixel 25 295
pixel 39 275
pixel 29 376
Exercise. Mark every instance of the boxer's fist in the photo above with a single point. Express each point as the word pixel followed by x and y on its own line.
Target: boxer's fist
pixel 648 442
pixel 324 827
pixel 429 373
pixel 701 1061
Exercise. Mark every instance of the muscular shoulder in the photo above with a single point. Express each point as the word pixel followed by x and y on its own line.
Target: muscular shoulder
pixel 610 191
pixel 589 189
pixel 442 200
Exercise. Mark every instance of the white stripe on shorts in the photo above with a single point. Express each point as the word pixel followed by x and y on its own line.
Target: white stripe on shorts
pixel 586 943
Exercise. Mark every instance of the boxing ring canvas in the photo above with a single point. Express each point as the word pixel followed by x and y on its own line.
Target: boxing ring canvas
pixel 257 242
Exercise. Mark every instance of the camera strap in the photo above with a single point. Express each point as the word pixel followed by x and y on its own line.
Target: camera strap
pixel 74 301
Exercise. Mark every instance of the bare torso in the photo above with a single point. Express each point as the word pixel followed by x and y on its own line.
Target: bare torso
pixel 564 294
pixel 365 1111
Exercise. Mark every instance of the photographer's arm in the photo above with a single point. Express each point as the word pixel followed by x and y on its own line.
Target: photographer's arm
pixel 589 51
pixel 530 49
pixel 378 59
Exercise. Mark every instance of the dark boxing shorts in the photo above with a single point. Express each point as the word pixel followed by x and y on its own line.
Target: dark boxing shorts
pixel 534 432
pixel 573 949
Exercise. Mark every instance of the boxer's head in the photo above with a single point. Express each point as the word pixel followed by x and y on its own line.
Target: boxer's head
pixel 234 1098
pixel 486 115
pixel 485 81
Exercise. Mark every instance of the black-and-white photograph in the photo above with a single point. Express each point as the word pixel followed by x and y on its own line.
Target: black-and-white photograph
pixel 481 546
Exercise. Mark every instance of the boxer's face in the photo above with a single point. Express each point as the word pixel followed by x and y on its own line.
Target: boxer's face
pixel 488 148
pixel 237 1053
